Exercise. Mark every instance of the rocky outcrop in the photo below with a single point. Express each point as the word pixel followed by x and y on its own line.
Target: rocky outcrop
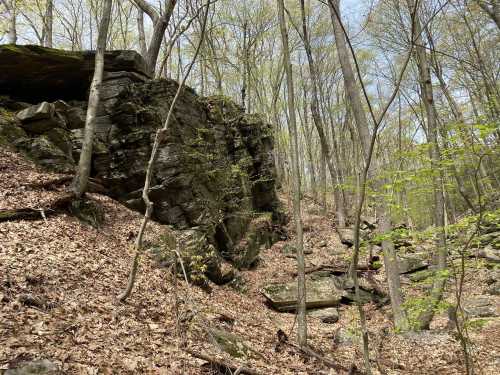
pixel 214 178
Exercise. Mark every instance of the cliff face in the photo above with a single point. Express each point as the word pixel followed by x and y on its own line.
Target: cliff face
pixel 214 179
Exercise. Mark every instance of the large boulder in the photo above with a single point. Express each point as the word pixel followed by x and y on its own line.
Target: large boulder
pixel 214 177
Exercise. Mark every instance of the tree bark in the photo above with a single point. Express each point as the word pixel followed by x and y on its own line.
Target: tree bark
pixel 301 298
pixel 11 21
pixel 81 179
pixel 48 24
pixel 142 35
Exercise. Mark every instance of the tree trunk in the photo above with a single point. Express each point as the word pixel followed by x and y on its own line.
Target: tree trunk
pixel 142 35
pixel 12 22
pixel 318 121
pixel 432 133
pixel 301 298
pixel 356 107
pixel 160 134
pixel 160 23
pixel 48 24
pixel 84 164
pixel 244 80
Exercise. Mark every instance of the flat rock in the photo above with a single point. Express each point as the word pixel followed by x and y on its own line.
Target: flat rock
pixel 480 307
pixel 322 292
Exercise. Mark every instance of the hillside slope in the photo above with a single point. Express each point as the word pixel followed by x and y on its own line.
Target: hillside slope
pixel 59 279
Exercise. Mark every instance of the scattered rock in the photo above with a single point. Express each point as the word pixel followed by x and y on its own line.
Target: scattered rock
pixel 88 211
pixel 329 315
pixel 39 118
pixel 368 222
pixel 346 236
pixel 493 282
pixel 480 307
pixel 344 337
pixel 290 251
pixel 238 283
pixel 421 275
pixel 490 254
pixel 494 289
pixel 322 292
pixel 38 367
pixel 40 111
pixel 409 263
pixel 231 344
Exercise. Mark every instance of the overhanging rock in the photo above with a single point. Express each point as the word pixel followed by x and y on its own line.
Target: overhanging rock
pixel 34 74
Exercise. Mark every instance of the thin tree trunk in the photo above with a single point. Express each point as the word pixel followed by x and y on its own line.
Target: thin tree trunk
pixel 142 35
pixel 432 130
pixel 160 135
pixel 160 23
pixel 48 24
pixel 322 182
pixel 318 121
pixel 301 288
pixel 244 80
pixel 11 21
pixel 81 179
pixel 356 106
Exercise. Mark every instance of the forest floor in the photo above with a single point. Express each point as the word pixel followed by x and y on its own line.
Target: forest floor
pixel 59 280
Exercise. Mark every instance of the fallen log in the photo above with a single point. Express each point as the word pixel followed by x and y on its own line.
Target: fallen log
pixel 28 213
pixel 234 368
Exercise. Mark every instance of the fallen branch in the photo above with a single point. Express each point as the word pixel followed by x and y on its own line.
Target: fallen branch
pixel 94 185
pixel 36 213
pixel 223 363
